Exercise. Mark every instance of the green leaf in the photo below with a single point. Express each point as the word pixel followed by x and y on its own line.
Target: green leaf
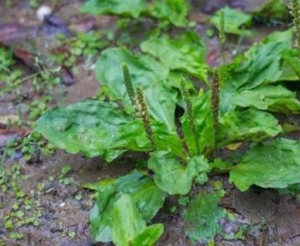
pixel 127 221
pixel 261 66
pixel 146 196
pixel 93 128
pixel 203 125
pixel 186 53
pixel 98 128
pixel 274 98
pixel 101 214
pixel 233 20
pixel 163 137
pixel 147 73
pixel 144 192
pixel 131 8
pixel 291 62
pixel 273 9
pixel 247 125
pixel 175 77
pixel 279 36
pixel 264 63
pixel 149 236
pixel 172 176
pixel 273 164
pixel 128 226
pixel 174 11
pixel 202 217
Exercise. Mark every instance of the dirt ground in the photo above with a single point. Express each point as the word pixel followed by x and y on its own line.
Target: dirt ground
pixel 61 205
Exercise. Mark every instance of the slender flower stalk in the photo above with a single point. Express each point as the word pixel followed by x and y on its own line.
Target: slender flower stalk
pixel 189 110
pixel 215 101
pixel 142 111
pixel 222 36
pixel 128 83
pixel 295 12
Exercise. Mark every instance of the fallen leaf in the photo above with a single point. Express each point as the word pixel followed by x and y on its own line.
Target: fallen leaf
pixel 6 135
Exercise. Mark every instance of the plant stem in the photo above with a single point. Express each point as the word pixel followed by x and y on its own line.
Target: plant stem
pixel 215 101
pixel 189 110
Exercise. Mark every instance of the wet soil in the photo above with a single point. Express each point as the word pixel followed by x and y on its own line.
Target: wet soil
pixel 268 216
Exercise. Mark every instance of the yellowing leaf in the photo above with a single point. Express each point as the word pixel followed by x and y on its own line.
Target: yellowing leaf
pixel 233 146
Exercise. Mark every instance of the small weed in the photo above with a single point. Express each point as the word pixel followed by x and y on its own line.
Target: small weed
pixel 63 173
pixel 24 210
pixel 87 45
pixel 71 234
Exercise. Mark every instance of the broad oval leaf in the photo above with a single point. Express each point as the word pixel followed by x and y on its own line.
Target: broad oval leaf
pixel 127 222
pixel 249 125
pixel 233 20
pixel 261 66
pixel 145 194
pixel 131 8
pixel 98 128
pixel 93 128
pixel 273 98
pixel 174 11
pixel 201 217
pixel 147 73
pixel 101 214
pixel 265 63
pixel 291 70
pixel 273 164
pixel 128 226
pixel 172 176
pixel 186 53
pixel 149 236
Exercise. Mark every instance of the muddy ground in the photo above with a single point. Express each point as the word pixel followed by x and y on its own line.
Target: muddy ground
pixel 61 206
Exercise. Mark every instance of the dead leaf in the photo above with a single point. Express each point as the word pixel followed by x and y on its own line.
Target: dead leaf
pixel 6 135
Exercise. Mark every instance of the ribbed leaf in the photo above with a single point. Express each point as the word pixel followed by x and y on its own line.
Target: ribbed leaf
pixel 273 164
pixel 172 176
pixel 202 217
pixel 247 125
pixel 273 98
pixel 186 53
pixel 144 193
pixel 131 8
pixel 93 128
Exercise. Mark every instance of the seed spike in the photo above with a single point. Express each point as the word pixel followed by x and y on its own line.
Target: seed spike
pixel 215 101
pixel 295 12
pixel 143 113
pixel 128 83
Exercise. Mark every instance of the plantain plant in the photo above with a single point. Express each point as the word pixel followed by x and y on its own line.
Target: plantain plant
pixel 144 90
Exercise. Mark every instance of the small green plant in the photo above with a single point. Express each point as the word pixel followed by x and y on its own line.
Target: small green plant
pixel 62 177
pixel 24 210
pixel 86 45
pixel 143 90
